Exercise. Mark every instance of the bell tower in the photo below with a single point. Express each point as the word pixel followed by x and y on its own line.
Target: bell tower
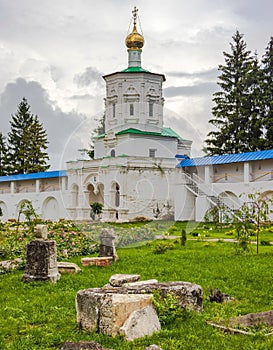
pixel 134 95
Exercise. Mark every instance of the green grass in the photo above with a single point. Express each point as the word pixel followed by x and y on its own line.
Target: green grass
pixel 43 316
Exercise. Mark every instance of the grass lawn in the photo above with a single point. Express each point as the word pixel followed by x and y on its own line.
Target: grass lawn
pixel 43 316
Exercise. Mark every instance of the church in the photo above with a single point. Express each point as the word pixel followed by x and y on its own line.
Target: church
pixel 140 169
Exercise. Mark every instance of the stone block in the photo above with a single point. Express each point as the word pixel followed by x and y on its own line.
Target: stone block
pixel 119 279
pixel 41 262
pixel 41 231
pixel 153 347
pixel 67 267
pixel 107 245
pixel 106 312
pixel 117 308
pixel 189 295
pixel 88 304
pixel 141 323
pixel 10 264
pixel 97 261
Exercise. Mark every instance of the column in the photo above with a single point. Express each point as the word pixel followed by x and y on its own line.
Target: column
pixel 37 186
pixel 246 172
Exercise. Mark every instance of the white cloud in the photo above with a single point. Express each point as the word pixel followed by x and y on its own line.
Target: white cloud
pixel 63 46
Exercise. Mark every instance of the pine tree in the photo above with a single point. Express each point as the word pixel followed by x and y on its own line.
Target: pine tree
pixel 27 142
pixel 3 155
pixel 267 94
pixel 235 118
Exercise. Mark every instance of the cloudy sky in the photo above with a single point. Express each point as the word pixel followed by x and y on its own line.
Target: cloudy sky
pixel 54 52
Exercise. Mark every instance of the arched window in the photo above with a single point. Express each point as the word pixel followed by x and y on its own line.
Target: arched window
pixel 131 109
pixel 117 196
pixel 114 110
pixel 151 108
pixel 113 153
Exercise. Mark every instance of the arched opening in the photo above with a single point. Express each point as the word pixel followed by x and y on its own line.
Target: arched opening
pixel 4 211
pixel 117 196
pixel 95 193
pixel 113 153
pixel 50 209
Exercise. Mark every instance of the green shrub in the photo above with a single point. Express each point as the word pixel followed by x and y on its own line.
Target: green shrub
pixel 167 308
pixel 162 247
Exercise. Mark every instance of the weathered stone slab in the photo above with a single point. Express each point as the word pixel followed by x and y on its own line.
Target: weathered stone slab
pixel 41 264
pixel 10 264
pixel 141 323
pixel 97 261
pixel 107 245
pixel 153 347
pixel 189 295
pixel 67 267
pixel 140 283
pixel 119 279
pixel 106 312
pixel 83 345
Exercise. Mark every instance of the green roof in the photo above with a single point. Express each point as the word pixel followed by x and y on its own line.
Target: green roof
pixel 167 132
pixel 134 69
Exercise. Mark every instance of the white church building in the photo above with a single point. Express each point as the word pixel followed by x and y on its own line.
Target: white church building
pixel 140 168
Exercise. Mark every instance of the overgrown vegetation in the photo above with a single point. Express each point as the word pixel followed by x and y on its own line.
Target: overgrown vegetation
pixel 42 315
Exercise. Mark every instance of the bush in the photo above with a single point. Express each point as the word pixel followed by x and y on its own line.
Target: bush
pixel 162 247
pixel 167 308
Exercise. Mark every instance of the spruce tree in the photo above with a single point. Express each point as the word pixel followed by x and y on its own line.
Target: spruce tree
pixel 267 94
pixel 27 142
pixel 236 121
pixel 3 155
pixel 37 157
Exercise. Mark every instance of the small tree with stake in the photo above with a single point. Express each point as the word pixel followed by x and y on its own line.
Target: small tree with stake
pixel 254 211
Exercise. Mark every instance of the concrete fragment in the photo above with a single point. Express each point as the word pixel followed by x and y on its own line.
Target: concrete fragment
pixel 119 279
pixel 67 267
pixel 141 323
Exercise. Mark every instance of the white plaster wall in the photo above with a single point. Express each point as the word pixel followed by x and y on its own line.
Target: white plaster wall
pixel 137 145
pixel 11 202
pixel 201 206
pixel 184 203
pixel 137 88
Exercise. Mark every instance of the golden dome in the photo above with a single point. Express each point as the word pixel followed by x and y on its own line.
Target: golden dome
pixel 134 41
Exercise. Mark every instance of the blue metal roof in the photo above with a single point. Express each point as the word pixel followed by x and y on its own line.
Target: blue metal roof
pixel 34 176
pixel 226 158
